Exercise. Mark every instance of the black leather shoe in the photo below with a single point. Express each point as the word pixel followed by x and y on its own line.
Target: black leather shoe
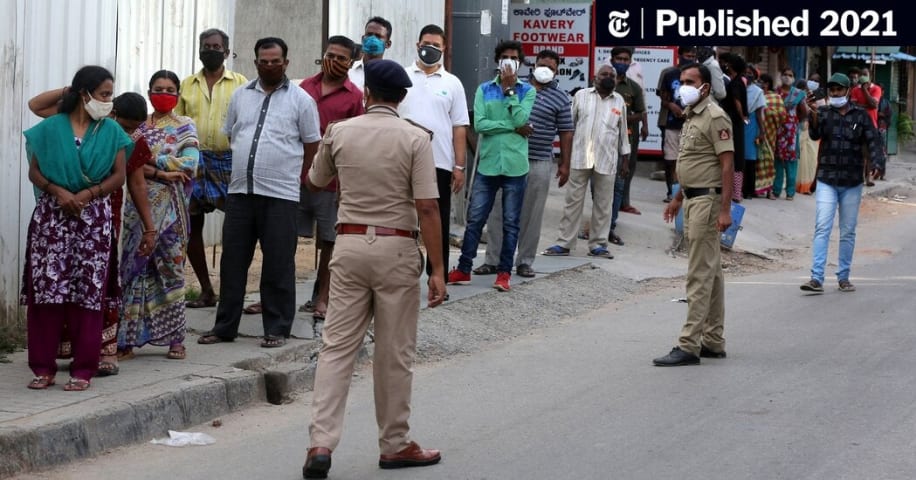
pixel 707 353
pixel 317 463
pixel 676 358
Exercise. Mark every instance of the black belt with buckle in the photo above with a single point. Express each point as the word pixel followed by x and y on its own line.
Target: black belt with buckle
pixel 696 192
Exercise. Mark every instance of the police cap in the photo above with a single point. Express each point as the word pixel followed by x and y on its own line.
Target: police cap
pixel 386 75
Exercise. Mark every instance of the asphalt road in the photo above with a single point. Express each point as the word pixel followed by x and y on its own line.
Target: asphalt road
pixel 814 387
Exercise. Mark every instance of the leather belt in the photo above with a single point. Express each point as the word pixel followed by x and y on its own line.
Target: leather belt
pixel 351 229
pixel 696 192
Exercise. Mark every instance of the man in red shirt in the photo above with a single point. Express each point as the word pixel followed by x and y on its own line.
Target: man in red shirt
pixel 338 99
pixel 867 95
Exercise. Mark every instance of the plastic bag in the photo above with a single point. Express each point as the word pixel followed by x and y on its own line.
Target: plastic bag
pixel 181 439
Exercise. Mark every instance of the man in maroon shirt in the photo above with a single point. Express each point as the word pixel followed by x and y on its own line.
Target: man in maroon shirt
pixel 338 99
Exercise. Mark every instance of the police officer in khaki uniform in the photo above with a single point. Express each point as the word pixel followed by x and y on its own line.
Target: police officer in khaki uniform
pixel 387 181
pixel 705 169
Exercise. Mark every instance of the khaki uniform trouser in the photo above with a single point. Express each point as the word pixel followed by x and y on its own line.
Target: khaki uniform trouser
pixel 371 277
pixel 705 282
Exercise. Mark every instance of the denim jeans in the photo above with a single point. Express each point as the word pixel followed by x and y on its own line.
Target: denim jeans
pixel 483 194
pixel 620 185
pixel 828 199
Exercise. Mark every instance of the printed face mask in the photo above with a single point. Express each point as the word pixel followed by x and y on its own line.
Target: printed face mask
pixel 513 64
pixel 429 55
pixel 373 45
pixel 98 110
pixel 543 75
pixel 334 69
pixel 211 59
pixel 163 102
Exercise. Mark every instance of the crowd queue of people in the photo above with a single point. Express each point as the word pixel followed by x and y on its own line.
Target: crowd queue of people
pixel 364 155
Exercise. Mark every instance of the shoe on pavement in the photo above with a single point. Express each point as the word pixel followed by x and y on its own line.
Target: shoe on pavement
pixel 667 199
pixel 846 286
pixel 676 358
pixel 630 209
pixel 708 353
pixel 412 456
pixel 485 269
pixel 457 277
pixel 812 286
pixel 317 463
pixel 502 281
pixel 614 238
pixel 525 270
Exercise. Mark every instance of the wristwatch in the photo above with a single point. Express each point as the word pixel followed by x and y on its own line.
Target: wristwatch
pixel 509 92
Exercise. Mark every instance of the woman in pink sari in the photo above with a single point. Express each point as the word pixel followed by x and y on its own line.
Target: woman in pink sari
pixel 787 141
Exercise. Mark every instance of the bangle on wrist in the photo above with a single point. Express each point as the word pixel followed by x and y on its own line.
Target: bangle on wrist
pixel 460 168
pixel 149 231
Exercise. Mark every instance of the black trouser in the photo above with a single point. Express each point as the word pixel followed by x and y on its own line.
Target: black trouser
pixel 252 219
pixel 750 179
pixel 444 182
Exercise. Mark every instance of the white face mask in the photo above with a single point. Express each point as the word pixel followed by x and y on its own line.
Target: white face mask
pixel 543 75
pixel 513 64
pixel 812 85
pixel 689 94
pixel 838 102
pixel 98 110
pixel 787 80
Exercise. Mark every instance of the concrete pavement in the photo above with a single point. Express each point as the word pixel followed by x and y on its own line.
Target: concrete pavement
pixel 39 429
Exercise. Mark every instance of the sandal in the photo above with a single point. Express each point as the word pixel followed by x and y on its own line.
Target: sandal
pixel 41 382
pixel 600 252
pixel 271 341
pixel 485 269
pixel 177 352
pixel 614 238
pixel 556 251
pixel 76 385
pixel 202 301
pixel 126 355
pixel 107 369
pixel 210 338
pixel 254 309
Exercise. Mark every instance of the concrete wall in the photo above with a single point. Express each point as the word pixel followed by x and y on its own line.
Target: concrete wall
pixel 297 22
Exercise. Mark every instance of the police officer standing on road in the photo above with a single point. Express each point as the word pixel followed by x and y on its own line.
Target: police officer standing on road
pixel 705 169
pixel 387 180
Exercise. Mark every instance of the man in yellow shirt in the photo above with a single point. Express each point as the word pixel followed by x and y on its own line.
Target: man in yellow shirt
pixel 205 98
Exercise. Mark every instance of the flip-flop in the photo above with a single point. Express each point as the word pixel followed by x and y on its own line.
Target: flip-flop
pixel 202 302
pixel 254 309
pixel 208 338
pixel 600 252
pixel 41 382
pixel 76 385
pixel 556 251
pixel 177 352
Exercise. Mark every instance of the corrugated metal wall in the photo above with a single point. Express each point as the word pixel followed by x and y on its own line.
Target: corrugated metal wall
pixel 407 17
pixel 44 42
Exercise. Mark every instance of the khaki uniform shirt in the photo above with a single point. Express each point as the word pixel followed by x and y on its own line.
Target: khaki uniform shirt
pixel 383 164
pixel 706 133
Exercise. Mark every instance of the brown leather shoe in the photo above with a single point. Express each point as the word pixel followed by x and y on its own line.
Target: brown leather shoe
pixel 412 456
pixel 317 463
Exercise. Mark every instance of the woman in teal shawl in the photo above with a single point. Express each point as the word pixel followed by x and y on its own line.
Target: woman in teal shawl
pixel 76 159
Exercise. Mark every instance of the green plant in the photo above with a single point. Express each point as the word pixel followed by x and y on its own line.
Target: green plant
pixel 11 340
pixel 905 131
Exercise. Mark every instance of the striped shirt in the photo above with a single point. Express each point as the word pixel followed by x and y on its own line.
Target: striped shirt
pixel 208 110
pixel 601 131
pixel 550 114
pixel 267 133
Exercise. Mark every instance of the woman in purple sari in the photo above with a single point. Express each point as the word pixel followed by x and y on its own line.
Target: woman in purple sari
pixel 76 160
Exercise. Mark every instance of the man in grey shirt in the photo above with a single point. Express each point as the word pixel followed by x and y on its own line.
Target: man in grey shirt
pixel 271 124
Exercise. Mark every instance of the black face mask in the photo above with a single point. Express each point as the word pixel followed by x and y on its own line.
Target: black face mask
pixel 429 54
pixel 271 75
pixel 607 84
pixel 212 59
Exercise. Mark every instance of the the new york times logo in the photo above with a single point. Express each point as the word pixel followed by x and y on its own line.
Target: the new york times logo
pixel 727 23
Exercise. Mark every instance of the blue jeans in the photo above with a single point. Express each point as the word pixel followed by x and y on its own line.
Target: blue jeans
pixel 483 194
pixel 620 185
pixel 828 198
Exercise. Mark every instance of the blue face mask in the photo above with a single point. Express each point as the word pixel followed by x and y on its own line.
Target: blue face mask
pixel 373 45
pixel 621 68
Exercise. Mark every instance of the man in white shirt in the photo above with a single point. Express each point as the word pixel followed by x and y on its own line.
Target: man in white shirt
pixel 599 142
pixel 437 102
pixel 376 38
